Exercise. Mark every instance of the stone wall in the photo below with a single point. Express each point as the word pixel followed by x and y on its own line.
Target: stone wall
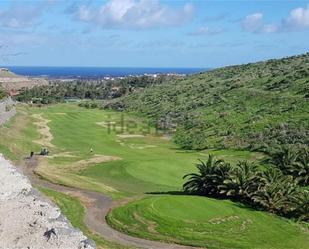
pixel 7 110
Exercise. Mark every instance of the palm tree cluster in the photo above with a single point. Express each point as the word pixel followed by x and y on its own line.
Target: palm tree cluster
pixel 269 189
pixel 294 163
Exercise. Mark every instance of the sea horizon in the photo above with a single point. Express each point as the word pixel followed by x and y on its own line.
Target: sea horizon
pixel 94 72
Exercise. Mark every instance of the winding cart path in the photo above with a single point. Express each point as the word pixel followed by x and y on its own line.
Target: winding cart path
pixel 97 206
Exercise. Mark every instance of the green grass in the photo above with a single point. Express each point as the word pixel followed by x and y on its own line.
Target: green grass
pixel 255 106
pixel 75 212
pixel 232 107
pixel 206 222
pixel 147 164
pixel 17 135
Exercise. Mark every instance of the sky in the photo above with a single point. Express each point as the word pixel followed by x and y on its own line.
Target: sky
pixel 151 33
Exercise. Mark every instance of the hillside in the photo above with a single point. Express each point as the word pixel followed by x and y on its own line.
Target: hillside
pixel 254 106
pixel 12 83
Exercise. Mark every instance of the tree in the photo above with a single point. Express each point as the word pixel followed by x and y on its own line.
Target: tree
pixel 284 158
pixel 300 169
pixel 210 176
pixel 270 189
pixel 275 192
pixel 294 163
pixel 242 181
pixel 301 202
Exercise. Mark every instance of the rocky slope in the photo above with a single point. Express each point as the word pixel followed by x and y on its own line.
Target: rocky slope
pixel 12 83
pixel 7 110
pixel 28 220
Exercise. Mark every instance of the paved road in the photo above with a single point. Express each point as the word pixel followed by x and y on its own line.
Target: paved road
pixel 97 206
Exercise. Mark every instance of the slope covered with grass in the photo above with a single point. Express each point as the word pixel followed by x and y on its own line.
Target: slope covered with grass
pixel 254 106
pixel 206 222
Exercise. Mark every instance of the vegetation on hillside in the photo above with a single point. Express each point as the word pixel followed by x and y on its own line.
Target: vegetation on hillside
pixel 258 106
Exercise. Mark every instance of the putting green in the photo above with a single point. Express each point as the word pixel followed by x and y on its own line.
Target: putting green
pixel 205 222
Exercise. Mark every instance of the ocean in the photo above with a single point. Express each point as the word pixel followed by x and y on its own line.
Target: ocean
pixel 94 72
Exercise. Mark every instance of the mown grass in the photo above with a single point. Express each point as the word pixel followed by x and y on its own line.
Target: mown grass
pixel 206 222
pixel 147 164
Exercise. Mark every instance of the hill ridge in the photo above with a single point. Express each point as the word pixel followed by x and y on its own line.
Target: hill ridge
pixel 234 106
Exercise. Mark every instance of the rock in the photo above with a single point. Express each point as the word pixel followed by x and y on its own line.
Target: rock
pixel 28 220
pixel 7 110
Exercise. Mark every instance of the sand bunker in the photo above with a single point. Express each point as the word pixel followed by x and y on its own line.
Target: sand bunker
pixel 45 135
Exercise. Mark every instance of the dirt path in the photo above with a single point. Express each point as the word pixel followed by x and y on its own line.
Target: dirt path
pixel 97 206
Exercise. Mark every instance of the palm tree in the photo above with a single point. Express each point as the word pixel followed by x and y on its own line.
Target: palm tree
pixel 275 192
pixel 300 169
pixel 284 159
pixel 210 175
pixel 241 182
pixel 295 163
pixel 301 202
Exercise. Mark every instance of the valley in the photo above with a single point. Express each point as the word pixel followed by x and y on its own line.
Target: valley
pixel 142 172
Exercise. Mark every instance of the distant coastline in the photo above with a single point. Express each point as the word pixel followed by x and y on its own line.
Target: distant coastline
pixel 97 72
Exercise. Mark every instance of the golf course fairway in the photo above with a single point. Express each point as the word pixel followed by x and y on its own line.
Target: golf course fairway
pixel 120 155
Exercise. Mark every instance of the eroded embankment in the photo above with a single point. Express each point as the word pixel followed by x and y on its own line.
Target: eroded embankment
pixel 27 220
pixel 7 110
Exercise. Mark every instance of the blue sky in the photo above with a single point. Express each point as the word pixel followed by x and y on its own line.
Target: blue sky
pixel 151 33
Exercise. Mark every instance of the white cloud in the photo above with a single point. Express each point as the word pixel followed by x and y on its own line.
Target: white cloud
pixel 253 22
pixel 134 14
pixel 298 19
pixel 204 30
pixel 20 15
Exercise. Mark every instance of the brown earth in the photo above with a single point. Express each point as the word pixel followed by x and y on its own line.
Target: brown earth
pixel 13 83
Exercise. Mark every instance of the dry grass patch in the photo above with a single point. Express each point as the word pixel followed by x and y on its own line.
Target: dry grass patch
pixel 45 135
pixel 96 159
pixel 129 135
